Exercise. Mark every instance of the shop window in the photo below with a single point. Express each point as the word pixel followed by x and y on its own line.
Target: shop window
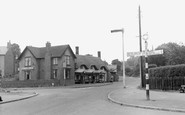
pixel 28 61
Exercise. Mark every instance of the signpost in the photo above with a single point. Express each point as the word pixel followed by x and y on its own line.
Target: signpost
pixel 146 53
pixel 153 52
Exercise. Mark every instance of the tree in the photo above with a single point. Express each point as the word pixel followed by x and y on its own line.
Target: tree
pixel 16 52
pixel 119 66
pixel 173 54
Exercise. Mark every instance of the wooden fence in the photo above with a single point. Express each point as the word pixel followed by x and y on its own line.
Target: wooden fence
pixel 166 83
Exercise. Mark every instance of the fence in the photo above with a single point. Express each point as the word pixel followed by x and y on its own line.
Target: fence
pixel 166 83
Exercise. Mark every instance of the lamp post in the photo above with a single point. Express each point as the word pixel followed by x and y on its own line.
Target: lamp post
pixel 122 31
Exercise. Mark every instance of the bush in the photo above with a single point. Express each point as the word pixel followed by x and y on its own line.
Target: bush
pixel 168 71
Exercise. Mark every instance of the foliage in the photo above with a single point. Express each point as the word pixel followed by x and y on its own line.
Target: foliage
pixel 16 49
pixel 168 71
pixel 152 65
pixel 119 66
pixel 173 54
pixel 132 66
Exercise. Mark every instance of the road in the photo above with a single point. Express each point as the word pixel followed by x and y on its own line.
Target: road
pixel 75 101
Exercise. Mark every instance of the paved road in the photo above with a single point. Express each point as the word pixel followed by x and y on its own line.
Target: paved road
pixel 75 101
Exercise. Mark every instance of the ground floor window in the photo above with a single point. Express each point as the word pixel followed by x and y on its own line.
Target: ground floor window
pixel 54 74
pixel 67 72
pixel 27 75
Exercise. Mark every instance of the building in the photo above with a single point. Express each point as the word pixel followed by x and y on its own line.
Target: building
pixel 113 71
pixel 46 63
pixel 7 61
pixel 90 69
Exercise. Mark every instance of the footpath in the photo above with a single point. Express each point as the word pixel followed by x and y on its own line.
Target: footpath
pixel 132 96
pixel 16 94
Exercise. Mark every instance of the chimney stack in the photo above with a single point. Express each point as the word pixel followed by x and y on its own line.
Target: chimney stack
pixel 9 44
pixel 77 50
pixel 99 54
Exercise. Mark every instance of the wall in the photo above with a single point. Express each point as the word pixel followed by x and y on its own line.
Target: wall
pixel 70 80
pixel 2 64
pixel 9 63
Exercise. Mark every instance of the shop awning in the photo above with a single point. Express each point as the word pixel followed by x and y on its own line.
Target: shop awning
pixel 89 71
pixel 79 71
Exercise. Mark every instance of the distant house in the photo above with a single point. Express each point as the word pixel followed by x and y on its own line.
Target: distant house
pixel 7 61
pixel 45 63
pixel 90 69
pixel 113 70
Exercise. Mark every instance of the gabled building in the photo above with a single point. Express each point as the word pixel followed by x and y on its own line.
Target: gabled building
pixel 50 62
pixel 7 61
pixel 90 69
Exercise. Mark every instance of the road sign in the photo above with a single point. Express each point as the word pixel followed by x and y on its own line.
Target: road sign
pixel 153 52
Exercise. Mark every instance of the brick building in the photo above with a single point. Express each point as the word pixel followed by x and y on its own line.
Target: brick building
pixel 7 61
pixel 45 63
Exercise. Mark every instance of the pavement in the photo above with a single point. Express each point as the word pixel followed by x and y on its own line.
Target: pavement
pixel 133 96
pixel 16 94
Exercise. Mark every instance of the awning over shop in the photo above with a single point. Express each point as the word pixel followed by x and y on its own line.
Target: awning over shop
pixel 79 71
pixel 89 71
pixel 101 71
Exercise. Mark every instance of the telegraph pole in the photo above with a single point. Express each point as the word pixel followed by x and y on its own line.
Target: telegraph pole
pixel 140 44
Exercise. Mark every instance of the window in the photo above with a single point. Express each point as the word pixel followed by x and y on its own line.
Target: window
pixel 55 61
pixel 54 74
pixel 67 59
pixel 28 61
pixel 67 73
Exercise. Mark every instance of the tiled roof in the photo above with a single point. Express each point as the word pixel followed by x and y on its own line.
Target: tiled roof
pixel 56 51
pixel 3 50
pixel 89 60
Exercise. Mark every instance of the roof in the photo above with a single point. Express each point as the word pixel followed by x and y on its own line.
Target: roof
pixel 3 50
pixel 56 51
pixel 88 61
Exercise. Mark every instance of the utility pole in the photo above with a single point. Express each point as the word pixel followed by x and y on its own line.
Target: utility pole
pixel 140 44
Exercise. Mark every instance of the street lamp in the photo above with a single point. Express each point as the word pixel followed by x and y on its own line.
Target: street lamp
pixel 122 30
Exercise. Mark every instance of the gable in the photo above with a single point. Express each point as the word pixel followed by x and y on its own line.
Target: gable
pixel 26 53
pixel 3 50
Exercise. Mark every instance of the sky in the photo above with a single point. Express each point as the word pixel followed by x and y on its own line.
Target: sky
pixel 87 24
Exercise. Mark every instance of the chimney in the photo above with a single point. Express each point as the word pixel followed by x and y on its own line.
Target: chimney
pixel 48 62
pixel 99 54
pixel 48 45
pixel 77 50
pixel 9 45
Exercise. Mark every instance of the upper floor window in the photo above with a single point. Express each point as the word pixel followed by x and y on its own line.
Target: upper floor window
pixel 55 61
pixel 67 59
pixel 28 61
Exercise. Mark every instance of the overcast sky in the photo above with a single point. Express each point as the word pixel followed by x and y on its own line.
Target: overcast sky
pixel 87 24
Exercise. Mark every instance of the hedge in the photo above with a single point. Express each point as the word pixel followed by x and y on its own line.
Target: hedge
pixel 167 77
pixel 30 83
